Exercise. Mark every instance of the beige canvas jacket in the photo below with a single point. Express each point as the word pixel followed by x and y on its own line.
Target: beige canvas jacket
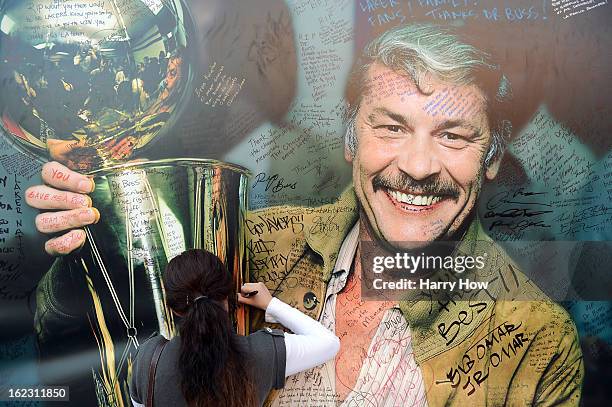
pixel 516 348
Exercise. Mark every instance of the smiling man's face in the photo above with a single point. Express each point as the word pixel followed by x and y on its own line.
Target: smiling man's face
pixel 419 163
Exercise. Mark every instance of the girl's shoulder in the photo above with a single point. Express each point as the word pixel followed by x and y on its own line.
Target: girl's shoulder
pixel 266 348
pixel 146 348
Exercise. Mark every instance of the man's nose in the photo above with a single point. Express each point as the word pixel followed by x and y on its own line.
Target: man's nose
pixel 418 157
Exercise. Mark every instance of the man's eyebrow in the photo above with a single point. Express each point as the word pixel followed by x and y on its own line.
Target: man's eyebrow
pixel 403 120
pixel 447 124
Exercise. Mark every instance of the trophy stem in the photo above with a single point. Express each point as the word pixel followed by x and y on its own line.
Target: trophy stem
pixel 158 300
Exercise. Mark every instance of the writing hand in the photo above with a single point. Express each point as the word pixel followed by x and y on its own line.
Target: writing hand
pixel 259 300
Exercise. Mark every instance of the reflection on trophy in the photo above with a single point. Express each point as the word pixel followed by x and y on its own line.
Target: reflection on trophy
pixel 92 84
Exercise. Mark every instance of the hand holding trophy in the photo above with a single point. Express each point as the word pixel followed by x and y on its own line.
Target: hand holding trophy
pixel 93 85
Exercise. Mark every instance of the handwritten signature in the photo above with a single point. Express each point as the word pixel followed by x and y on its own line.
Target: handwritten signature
pixel 274 182
pixel 514 197
pixel 516 218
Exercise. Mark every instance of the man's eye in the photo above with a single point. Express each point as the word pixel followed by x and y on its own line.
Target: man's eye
pixel 392 128
pixel 452 140
pixel 451 136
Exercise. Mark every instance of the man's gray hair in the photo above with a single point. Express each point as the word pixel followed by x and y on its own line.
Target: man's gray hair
pixel 419 49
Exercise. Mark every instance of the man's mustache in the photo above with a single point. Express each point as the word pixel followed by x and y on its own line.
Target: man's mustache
pixel 428 186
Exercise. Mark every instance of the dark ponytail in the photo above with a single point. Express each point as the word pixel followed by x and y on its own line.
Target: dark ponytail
pixel 214 369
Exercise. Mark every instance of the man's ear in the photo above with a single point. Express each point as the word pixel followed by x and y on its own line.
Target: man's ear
pixel 493 167
pixel 348 156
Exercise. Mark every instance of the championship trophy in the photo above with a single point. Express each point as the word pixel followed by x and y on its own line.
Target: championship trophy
pixel 93 84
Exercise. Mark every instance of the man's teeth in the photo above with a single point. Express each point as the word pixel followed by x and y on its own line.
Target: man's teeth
pixel 419 200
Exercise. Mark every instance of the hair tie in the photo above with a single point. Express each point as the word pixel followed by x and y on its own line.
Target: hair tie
pixel 201 297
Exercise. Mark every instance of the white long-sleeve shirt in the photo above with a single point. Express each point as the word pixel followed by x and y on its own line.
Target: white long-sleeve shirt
pixel 310 345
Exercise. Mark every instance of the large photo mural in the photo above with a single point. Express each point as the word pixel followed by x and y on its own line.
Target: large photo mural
pixel 313 146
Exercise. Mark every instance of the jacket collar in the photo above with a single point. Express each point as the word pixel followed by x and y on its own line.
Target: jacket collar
pixel 426 316
pixel 345 212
